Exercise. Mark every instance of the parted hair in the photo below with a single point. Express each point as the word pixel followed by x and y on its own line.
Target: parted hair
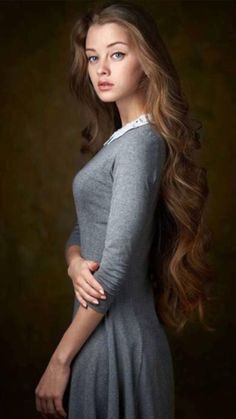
pixel 179 269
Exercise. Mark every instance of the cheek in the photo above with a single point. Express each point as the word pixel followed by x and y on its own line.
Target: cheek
pixel 131 74
pixel 91 70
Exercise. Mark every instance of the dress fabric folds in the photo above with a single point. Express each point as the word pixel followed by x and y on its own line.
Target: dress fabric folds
pixel 125 369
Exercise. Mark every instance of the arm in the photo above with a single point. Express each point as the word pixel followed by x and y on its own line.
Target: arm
pixel 85 320
pixel 51 387
pixel 85 287
pixel 72 252
pixel 136 174
pixel 82 326
pixel 136 179
pixel 72 246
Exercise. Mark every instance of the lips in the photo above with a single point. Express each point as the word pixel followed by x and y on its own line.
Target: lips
pixel 104 83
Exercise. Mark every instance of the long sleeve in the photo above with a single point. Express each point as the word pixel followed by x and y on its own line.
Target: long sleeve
pixel 74 237
pixel 136 174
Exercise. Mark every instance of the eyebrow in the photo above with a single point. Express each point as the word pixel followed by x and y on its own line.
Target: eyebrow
pixel 109 45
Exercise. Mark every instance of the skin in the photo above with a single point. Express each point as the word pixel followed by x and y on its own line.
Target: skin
pixel 119 65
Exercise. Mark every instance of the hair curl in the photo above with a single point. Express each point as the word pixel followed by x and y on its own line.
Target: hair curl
pixel 180 272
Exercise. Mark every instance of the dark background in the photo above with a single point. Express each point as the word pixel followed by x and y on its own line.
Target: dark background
pixel 40 141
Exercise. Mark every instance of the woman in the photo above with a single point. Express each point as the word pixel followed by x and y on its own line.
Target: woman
pixel 139 243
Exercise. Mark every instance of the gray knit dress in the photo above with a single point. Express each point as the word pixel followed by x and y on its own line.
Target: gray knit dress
pixel 124 370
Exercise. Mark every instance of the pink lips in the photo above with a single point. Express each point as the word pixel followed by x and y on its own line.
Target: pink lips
pixel 104 85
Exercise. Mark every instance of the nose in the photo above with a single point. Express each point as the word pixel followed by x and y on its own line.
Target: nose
pixel 103 67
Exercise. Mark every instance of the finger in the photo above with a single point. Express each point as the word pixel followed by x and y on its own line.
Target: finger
pixel 50 407
pixel 81 300
pixel 95 284
pixel 39 407
pixel 87 297
pixel 85 286
pixel 43 406
pixel 38 404
pixel 92 265
pixel 59 407
pixel 92 286
pixel 84 281
pixel 56 414
pixel 79 296
pixel 85 278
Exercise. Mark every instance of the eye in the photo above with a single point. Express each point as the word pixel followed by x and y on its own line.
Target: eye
pixel 118 52
pixel 92 56
pixel 90 59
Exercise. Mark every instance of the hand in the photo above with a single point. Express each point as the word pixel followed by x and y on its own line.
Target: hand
pixel 50 390
pixel 86 287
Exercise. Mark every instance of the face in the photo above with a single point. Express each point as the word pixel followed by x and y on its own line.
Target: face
pixel 113 59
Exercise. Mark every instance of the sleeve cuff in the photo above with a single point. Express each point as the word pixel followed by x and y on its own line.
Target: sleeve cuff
pixel 103 305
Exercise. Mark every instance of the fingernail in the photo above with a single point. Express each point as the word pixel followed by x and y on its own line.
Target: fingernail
pixel 95 301
pixel 103 297
pixel 85 305
pixel 101 291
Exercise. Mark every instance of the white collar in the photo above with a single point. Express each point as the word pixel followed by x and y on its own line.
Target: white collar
pixel 141 120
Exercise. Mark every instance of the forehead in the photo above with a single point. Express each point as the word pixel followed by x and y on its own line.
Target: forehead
pixel 101 35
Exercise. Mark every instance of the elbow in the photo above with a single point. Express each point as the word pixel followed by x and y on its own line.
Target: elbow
pixel 111 281
pixel 103 305
pixel 111 284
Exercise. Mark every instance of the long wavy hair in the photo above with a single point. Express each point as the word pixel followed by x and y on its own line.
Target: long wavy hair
pixel 180 271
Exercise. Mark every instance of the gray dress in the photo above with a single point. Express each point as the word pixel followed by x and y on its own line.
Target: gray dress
pixel 124 370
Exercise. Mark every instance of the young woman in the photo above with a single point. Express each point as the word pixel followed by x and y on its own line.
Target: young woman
pixel 140 240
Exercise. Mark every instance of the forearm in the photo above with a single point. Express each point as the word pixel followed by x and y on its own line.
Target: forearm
pixel 72 252
pixel 84 323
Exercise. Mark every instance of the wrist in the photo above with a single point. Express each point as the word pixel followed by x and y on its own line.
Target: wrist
pixel 60 358
pixel 76 258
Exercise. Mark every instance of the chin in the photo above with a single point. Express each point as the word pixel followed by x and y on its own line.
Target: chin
pixel 107 98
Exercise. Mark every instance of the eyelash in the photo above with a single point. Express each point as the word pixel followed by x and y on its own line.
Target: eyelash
pixel 117 52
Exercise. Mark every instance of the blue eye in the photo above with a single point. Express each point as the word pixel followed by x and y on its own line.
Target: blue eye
pixel 92 56
pixel 118 52
pixel 115 53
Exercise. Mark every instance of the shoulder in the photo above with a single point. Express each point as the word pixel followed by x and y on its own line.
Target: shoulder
pixel 140 153
pixel 144 140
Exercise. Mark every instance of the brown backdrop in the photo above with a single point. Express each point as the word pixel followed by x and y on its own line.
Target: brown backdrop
pixel 40 142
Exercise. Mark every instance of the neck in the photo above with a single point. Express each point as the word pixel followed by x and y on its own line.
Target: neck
pixel 130 109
